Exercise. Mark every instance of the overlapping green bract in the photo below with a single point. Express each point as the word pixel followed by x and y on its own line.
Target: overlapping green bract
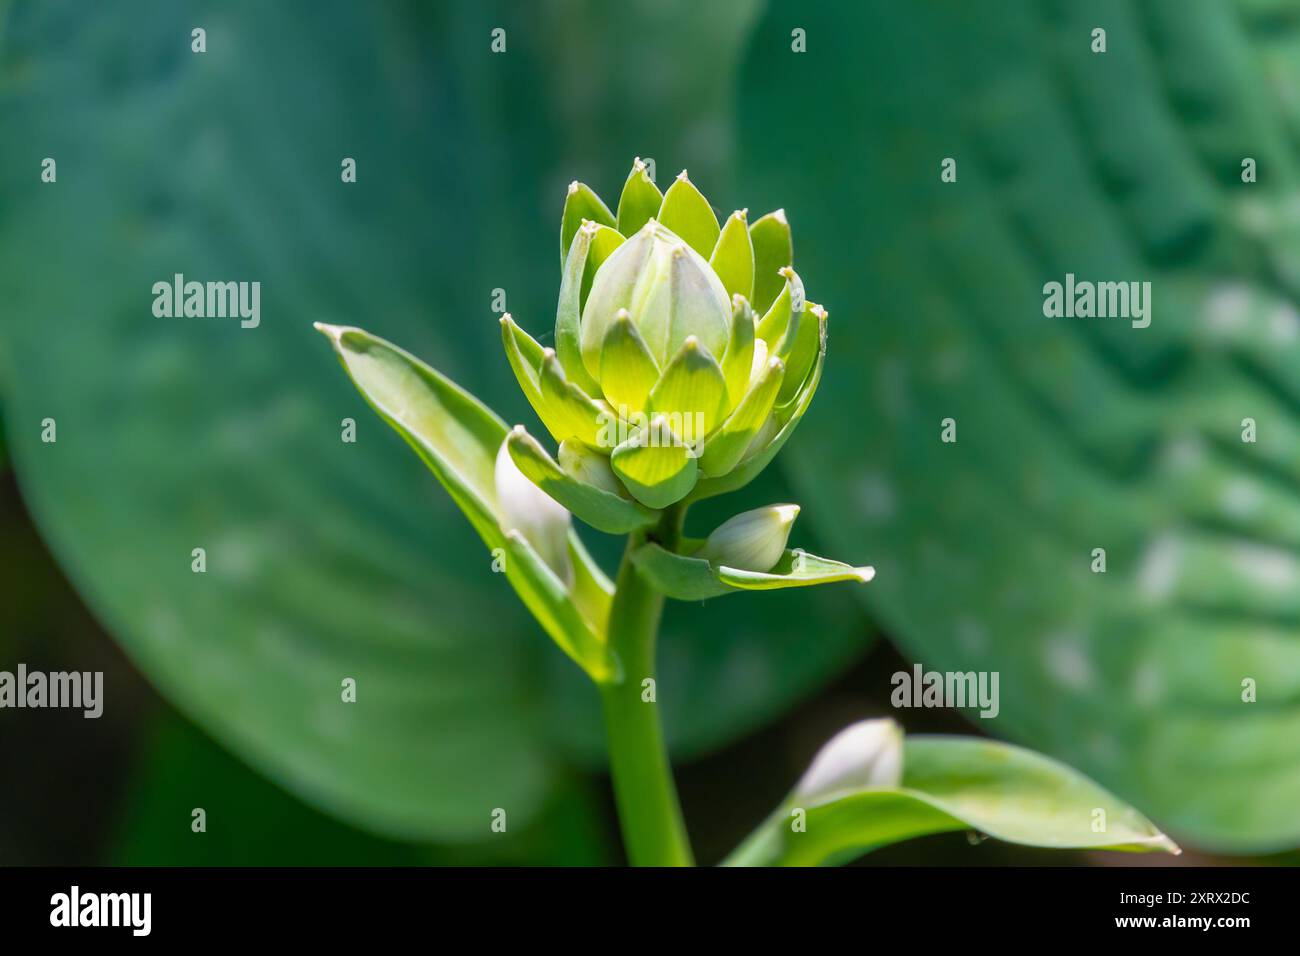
pixel 685 350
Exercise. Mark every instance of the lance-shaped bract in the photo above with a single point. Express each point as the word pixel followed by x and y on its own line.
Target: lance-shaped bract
pixel 685 350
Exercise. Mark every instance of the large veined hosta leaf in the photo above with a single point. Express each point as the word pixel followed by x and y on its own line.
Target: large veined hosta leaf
pixel 1072 434
pixel 325 559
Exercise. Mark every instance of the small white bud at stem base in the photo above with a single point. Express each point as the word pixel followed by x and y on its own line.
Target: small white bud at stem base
pixel 861 756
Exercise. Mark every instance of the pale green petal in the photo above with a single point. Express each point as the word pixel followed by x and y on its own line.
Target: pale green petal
pixel 788 417
pixel 569 310
pixel 687 213
pixel 691 393
pixel 804 352
pixel 780 326
pixel 525 357
pixel 640 201
pixel 738 360
pixel 773 250
pixel 655 465
pixel 577 414
pixel 724 449
pixel 733 257
pixel 580 203
pixel 627 369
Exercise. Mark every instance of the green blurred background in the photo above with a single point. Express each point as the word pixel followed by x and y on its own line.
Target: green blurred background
pixel 328 559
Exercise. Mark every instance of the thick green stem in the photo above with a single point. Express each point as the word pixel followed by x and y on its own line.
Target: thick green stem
pixel 649 814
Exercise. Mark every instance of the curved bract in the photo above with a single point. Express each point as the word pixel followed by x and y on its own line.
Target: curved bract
pixel 460 440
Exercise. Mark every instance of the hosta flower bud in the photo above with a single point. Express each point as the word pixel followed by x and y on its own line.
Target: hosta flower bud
pixel 685 351
pixel 533 513
pixel 751 541
pixel 668 291
pixel 862 755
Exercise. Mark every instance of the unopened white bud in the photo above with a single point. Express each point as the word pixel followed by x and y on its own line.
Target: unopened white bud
pixel 752 540
pixel 861 756
pixel 543 522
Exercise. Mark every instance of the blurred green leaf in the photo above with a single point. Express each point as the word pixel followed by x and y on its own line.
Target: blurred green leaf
pixel 1072 434
pixel 250 822
pixel 957 783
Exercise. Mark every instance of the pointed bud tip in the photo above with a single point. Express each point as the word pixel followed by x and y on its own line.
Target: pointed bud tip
pixel 787 273
pixel 683 177
pixel 573 187
pixel 865 574
pixel 779 216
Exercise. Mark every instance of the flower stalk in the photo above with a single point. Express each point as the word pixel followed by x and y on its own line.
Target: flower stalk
pixel 649 813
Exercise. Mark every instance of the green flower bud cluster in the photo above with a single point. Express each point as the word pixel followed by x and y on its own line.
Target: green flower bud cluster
pixel 685 350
